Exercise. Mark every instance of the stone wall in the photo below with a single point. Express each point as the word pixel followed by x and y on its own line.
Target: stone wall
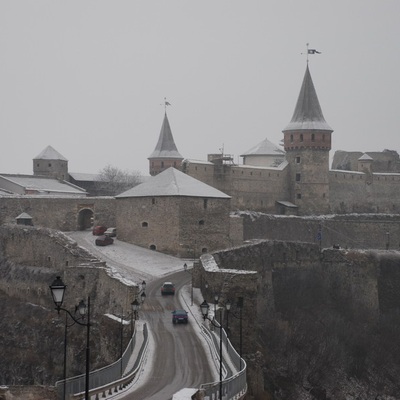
pixel 364 231
pixel 35 256
pixel 181 226
pixel 352 192
pixel 60 213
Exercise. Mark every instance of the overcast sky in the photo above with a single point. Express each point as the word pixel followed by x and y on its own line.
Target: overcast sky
pixel 89 77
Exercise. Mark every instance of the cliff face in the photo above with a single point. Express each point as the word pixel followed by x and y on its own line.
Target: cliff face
pixel 316 324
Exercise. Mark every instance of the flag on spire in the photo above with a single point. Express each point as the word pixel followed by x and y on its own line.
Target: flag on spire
pixel 313 51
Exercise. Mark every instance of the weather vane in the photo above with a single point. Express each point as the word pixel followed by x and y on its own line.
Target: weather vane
pixel 165 104
pixel 311 51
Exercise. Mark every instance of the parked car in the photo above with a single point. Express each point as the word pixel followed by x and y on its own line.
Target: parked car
pixel 168 288
pixel 112 232
pixel 99 230
pixel 104 240
pixel 180 316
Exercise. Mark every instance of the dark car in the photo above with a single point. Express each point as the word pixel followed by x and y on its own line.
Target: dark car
pixel 99 230
pixel 179 316
pixel 168 288
pixel 112 232
pixel 104 240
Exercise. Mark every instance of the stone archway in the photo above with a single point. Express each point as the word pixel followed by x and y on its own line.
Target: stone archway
pixel 85 219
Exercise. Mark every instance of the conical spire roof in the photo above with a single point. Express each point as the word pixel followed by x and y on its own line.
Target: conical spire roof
pixel 49 153
pixel 165 147
pixel 308 114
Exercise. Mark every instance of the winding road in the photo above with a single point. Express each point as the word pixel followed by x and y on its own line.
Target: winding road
pixel 177 356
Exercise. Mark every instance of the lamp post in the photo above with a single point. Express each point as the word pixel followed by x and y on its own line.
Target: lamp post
pixel 204 310
pixel 239 305
pixel 57 291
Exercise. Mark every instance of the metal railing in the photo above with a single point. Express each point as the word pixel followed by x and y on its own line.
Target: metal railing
pixel 107 378
pixel 234 385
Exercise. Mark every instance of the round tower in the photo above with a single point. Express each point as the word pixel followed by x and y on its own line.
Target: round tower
pixel 165 154
pixel 307 142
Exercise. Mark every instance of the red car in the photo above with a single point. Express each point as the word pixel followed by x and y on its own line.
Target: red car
pixel 99 230
pixel 104 240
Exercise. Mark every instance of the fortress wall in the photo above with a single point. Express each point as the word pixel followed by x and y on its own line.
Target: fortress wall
pixel 57 212
pixel 364 231
pixel 278 278
pixel 352 192
pixel 31 258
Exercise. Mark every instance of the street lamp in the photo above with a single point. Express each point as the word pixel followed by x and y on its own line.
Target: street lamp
pixel 204 307
pixel 57 291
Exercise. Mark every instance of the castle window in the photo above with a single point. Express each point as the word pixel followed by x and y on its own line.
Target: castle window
pixel 145 224
pixel 195 168
pixel 298 177
pixel 301 137
pixel 174 163
pixel 291 138
pixel 323 138
pixel 37 164
pixel 251 173
pixel 298 195
pixel 162 164
pixel 49 164
pixel 153 247
pixel 205 203
pixel 153 201
pixel 313 137
pixel 201 222
pixel 204 250
pixel 298 160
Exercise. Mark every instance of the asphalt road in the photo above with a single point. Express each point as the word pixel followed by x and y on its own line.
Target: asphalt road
pixel 177 357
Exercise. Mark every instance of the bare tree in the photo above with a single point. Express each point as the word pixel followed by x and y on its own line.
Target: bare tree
pixel 113 181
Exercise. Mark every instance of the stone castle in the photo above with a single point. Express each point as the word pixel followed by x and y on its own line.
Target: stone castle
pixel 295 181
pixel 299 180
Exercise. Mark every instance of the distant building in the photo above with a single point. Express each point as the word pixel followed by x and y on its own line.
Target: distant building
pixel 265 154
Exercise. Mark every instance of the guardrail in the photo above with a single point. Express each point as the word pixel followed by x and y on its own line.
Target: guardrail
pixel 234 385
pixel 108 378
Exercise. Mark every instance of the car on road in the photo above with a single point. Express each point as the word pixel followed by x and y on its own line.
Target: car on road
pixel 168 288
pixel 112 232
pixel 99 230
pixel 104 240
pixel 179 316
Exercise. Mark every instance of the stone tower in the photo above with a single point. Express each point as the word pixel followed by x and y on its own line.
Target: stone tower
pixel 307 141
pixel 165 154
pixel 51 163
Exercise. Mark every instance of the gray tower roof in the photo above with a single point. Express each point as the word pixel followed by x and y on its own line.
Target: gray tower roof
pixel 308 114
pixel 172 182
pixel 265 148
pixel 50 154
pixel 165 147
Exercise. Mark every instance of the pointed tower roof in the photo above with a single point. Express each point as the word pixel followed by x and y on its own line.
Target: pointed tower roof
pixel 308 114
pixel 165 147
pixel 50 154
pixel 172 182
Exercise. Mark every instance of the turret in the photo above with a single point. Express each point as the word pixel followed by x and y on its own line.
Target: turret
pixel 51 163
pixel 165 154
pixel 307 141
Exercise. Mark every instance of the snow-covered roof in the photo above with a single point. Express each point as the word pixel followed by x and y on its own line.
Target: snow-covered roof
pixel 165 147
pixel 49 153
pixel 172 182
pixel 264 148
pixel 43 184
pixel 308 114
pixel 365 157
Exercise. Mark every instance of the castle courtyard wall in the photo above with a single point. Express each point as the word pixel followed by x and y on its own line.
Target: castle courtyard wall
pixel 60 213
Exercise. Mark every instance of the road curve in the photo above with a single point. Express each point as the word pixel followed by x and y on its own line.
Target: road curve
pixel 176 357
